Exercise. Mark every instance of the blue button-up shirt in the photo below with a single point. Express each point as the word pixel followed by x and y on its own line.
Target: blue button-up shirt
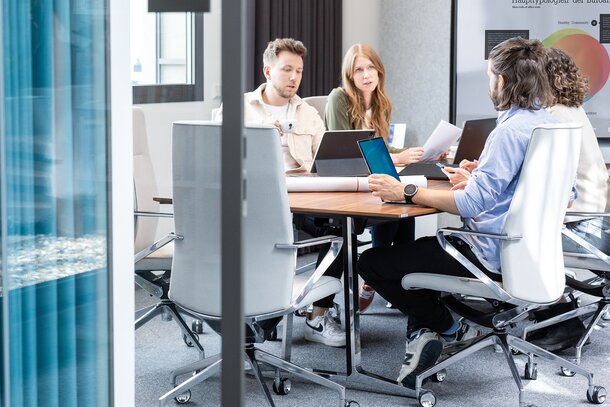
pixel 485 201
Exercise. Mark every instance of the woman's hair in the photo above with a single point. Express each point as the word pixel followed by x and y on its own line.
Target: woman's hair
pixel 380 104
pixel 568 86
pixel 521 63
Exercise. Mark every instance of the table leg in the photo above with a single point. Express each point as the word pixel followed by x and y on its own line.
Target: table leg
pixel 356 374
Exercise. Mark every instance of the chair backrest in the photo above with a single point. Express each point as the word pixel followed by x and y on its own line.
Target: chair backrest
pixel 145 185
pixel 319 103
pixel 532 267
pixel 196 270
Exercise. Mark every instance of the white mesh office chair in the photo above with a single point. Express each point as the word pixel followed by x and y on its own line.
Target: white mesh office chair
pixel 533 272
pixel 153 260
pixel 272 289
pixel 588 250
pixel 319 103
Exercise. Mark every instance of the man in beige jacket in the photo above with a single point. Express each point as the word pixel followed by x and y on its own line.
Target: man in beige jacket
pixel 276 102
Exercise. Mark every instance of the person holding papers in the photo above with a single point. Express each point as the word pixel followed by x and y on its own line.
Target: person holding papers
pixel 483 204
pixel 274 102
pixel 362 103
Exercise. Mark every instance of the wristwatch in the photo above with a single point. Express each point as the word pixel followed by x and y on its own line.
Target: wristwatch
pixel 409 192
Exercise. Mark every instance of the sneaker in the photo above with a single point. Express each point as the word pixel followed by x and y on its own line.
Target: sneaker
pixel 335 313
pixel 324 329
pixel 367 293
pixel 423 349
pixel 464 333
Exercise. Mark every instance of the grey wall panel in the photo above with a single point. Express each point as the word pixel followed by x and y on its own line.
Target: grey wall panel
pixel 415 45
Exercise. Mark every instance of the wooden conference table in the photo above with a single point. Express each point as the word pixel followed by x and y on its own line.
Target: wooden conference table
pixel 345 207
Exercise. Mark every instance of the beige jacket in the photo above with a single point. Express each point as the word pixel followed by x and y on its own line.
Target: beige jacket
pixel 591 175
pixel 309 128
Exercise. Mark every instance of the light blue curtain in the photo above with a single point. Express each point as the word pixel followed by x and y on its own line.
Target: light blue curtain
pixel 54 174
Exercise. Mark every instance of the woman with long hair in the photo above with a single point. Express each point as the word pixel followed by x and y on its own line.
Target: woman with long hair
pixel 362 103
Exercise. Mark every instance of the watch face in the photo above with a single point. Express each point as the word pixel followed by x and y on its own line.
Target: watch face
pixel 410 189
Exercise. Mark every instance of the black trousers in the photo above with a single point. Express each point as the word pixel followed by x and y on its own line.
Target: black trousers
pixel 384 267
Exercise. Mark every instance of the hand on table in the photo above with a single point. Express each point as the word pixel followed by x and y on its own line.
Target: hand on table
pixel 386 187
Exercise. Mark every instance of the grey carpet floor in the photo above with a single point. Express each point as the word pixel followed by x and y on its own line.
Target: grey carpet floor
pixel 482 379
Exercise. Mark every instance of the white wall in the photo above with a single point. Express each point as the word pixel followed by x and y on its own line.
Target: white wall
pixel 159 116
pixel 361 23
pixel 121 185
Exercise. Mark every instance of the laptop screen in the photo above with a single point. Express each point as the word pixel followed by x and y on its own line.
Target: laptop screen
pixel 338 154
pixel 473 139
pixel 377 157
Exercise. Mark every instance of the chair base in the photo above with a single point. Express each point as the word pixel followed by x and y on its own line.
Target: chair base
pixel 598 309
pixel 207 367
pixel 167 307
pixel 505 342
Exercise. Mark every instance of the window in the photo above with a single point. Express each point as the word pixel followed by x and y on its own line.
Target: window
pixel 166 55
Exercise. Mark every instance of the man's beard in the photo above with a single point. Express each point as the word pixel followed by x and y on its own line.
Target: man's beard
pixel 494 94
pixel 282 92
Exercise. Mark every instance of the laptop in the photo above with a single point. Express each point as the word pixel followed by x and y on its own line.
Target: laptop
pixel 338 154
pixel 470 146
pixel 377 157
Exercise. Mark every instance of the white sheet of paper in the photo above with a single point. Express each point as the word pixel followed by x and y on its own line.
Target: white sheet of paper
pixel 443 136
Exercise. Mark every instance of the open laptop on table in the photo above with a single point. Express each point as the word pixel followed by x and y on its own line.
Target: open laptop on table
pixel 469 147
pixel 338 154
pixel 377 158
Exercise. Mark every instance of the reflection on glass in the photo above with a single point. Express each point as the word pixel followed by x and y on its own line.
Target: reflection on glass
pixel 54 173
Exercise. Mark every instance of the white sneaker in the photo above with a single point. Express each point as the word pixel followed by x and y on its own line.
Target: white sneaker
pixel 324 329
pixel 423 349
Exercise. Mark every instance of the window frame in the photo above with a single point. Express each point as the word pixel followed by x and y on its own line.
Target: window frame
pixel 180 92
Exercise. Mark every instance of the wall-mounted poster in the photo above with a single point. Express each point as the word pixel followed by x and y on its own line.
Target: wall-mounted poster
pixel 581 28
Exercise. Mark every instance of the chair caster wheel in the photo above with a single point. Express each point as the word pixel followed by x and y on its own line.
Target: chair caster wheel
pixel 282 386
pixel 567 372
pixel 597 395
pixel 197 326
pixel 183 398
pixel 531 372
pixel 351 403
pixel 439 376
pixel 427 399
pixel 188 341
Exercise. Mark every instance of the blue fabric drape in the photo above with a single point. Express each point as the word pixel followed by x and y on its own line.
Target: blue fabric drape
pixel 55 160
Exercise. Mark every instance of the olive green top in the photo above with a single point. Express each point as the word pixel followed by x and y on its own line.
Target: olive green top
pixel 337 114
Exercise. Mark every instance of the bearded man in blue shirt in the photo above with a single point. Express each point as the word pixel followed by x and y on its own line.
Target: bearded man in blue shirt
pixel 519 90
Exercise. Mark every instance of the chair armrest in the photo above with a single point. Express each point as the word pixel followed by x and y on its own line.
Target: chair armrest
pixel 156 246
pixel 476 272
pixel 146 214
pixel 316 241
pixel 335 250
pixel 589 214
pixel 462 231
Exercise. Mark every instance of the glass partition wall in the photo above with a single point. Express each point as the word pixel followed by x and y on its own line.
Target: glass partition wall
pixel 54 294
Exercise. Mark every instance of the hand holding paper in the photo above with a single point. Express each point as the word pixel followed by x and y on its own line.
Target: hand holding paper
pixel 444 135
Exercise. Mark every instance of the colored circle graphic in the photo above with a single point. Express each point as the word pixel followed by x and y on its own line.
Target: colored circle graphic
pixel 589 55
